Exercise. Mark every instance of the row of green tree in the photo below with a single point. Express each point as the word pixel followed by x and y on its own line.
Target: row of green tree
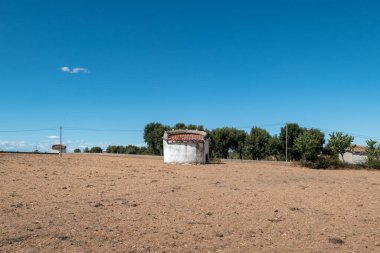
pixel 130 149
pixel 116 149
pixel 95 149
pixel 306 144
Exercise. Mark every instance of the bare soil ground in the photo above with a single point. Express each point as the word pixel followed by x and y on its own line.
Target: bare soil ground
pixel 83 203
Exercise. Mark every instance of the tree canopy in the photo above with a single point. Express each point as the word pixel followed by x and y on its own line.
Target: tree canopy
pixel 130 149
pixel 257 146
pixel 373 150
pixel 153 133
pixel 294 131
pixel 339 143
pixel 222 141
pixel 275 148
pixel 96 149
pixel 239 138
pixel 310 144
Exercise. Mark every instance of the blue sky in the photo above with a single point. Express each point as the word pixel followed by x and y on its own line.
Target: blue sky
pixel 216 63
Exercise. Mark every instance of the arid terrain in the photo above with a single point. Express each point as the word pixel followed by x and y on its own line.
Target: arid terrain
pixel 92 203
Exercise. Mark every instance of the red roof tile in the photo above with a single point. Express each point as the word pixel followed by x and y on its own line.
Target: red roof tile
pixel 58 146
pixel 185 137
pixel 359 149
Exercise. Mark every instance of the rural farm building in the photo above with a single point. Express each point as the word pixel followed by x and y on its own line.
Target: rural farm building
pixel 356 155
pixel 58 148
pixel 186 146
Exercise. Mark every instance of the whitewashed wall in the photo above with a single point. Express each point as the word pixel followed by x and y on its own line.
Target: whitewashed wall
pixel 185 152
pixel 207 151
pixel 63 151
pixel 353 158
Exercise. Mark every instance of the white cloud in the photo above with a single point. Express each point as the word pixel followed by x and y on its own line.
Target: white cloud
pixel 65 69
pixel 74 70
pixel 53 137
pixel 77 70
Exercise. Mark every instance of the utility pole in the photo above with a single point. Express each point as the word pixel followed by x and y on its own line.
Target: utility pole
pixel 60 135
pixel 60 140
pixel 286 143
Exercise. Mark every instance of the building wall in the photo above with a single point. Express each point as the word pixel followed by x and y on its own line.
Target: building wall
pixel 353 158
pixel 57 151
pixel 207 151
pixel 185 152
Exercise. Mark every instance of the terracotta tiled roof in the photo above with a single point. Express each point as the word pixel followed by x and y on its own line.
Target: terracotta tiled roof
pixel 359 149
pixel 58 146
pixel 185 136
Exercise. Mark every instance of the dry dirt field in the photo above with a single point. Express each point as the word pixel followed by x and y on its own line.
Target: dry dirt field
pixel 91 203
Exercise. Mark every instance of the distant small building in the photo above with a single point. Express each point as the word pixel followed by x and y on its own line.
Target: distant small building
pixel 186 146
pixel 357 155
pixel 58 148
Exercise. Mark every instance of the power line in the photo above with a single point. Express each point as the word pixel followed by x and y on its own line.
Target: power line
pixel 259 125
pixel 114 130
pixel 101 130
pixel 28 130
pixel 70 129
pixel 83 129
pixel 360 136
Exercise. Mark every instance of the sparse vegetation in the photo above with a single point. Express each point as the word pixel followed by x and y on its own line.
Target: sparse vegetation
pixel 182 201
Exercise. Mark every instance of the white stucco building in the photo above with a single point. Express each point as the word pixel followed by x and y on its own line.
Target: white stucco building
pixel 357 155
pixel 186 146
pixel 58 148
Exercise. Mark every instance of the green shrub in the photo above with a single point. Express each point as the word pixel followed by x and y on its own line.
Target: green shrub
pixel 373 164
pixel 328 162
pixel 96 150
